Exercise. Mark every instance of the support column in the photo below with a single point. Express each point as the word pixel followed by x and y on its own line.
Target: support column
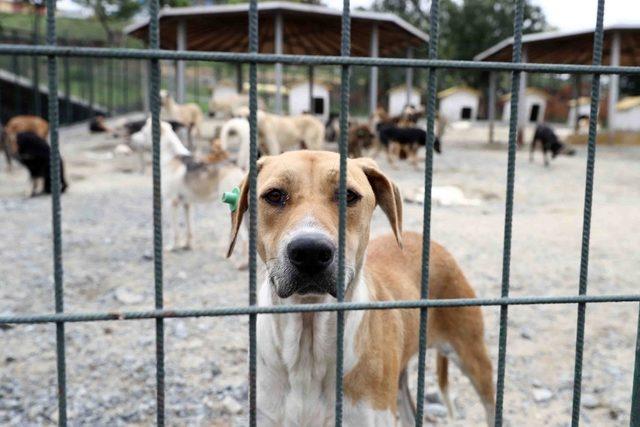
pixel 523 114
pixel 614 80
pixel 577 83
pixel 144 84
pixel 278 67
pixel 238 77
pixel 373 80
pixel 311 110
pixel 181 44
pixel 492 106
pixel 409 76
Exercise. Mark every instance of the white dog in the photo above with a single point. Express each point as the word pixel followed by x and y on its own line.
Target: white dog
pixel 186 180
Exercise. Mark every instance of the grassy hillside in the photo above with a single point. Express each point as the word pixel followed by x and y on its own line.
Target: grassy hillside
pixel 88 29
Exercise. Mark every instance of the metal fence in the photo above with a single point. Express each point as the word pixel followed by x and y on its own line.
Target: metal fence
pixel 153 54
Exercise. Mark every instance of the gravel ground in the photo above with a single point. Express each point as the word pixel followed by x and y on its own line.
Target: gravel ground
pixel 107 240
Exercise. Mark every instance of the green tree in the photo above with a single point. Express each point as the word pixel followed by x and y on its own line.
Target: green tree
pixel 106 12
pixel 467 27
pixel 472 26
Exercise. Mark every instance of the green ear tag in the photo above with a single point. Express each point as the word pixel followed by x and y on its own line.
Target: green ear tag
pixel 231 198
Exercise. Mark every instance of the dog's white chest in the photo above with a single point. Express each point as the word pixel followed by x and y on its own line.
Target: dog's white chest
pixel 296 378
pixel 296 370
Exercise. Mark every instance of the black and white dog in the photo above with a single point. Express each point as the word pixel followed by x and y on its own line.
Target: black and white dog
pixel 35 154
pixel 549 141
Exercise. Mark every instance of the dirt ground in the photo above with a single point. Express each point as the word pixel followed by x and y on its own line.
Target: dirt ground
pixel 107 241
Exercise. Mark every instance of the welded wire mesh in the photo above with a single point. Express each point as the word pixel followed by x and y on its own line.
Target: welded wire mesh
pixel 153 55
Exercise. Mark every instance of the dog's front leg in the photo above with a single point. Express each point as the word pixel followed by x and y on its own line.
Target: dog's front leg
pixel 143 165
pixel 31 191
pixel 188 219
pixel 532 149
pixel 7 156
pixel 393 149
pixel 546 157
pixel 174 225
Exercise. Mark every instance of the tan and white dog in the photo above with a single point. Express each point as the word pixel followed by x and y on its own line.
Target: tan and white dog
pixel 284 133
pixel 297 241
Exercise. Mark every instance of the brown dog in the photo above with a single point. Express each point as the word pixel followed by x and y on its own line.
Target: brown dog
pixel 360 138
pixel 16 125
pixel 297 241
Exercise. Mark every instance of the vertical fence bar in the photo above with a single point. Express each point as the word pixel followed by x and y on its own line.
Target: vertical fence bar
pixel 67 90
pixel 508 214
pixel 154 102
pixel 426 214
pixel 253 209
pixel 345 50
pixel 197 82
pixel 110 84
pixel 15 68
pixel 35 64
pixel 55 212
pixel 125 81
pixel 635 396
pixel 586 219
pixel 90 85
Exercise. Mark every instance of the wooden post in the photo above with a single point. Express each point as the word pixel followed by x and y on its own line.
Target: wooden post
pixel 492 106
pixel 181 44
pixel 278 67
pixel 373 80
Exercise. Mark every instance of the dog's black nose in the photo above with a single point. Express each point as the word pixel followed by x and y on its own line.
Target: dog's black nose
pixel 311 253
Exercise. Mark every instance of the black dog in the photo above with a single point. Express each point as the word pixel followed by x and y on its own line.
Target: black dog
pixel 549 142
pixel 35 154
pixel 405 136
pixel 97 124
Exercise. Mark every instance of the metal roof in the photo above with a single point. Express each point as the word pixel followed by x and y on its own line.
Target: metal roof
pixel 319 25
pixel 568 47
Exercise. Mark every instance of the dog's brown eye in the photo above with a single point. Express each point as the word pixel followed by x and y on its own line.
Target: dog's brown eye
pixel 276 197
pixel 352 197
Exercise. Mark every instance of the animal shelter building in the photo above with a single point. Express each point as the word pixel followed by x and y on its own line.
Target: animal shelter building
pixel 535 104
pixel 284 28
pixel 314 101
pixel 400 97
pixel 627 117
pixel 459 103
pixel 619 48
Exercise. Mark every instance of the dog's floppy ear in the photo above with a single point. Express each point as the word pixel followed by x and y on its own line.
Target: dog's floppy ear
pixel 387 195
pixel 243 205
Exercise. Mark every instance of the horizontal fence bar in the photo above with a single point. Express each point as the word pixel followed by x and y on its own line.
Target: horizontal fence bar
pixel 306 308
pixel 262 58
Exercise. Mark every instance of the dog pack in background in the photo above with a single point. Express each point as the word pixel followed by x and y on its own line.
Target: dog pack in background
pixel 35 154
